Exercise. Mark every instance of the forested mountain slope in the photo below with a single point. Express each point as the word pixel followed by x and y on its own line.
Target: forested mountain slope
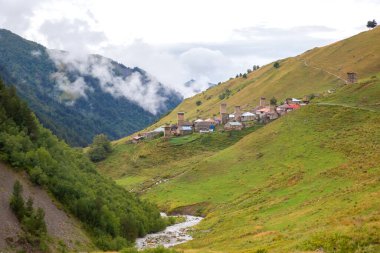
pixel 79 97
pixel 60 226
pixel 112 216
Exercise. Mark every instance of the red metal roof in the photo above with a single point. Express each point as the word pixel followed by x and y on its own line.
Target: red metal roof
pixel 294 106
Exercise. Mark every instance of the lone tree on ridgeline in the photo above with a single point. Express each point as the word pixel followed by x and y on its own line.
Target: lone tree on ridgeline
pixel 371 24
pixel 276 65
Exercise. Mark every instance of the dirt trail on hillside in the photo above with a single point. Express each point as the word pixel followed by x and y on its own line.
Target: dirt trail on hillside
pixel 326 71
pixel 59 224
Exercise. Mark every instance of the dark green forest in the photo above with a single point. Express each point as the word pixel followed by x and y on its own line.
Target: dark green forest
pixel 76 123
pixel 113 216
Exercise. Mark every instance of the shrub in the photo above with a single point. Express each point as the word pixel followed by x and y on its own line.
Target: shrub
pixel 32 221
pixel 99 148
pixel 17 202
pixel 358 241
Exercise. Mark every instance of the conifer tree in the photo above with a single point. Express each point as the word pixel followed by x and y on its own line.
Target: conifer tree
pixel 17 202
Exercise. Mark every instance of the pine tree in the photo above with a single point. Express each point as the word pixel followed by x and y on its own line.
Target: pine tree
pixel 273 101
pixel 17 202
pixel 29 207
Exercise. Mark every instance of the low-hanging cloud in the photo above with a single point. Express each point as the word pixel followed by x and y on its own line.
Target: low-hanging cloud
pixel 207 63
pixel 145 90
pixel 36 53
pixel 176 68
pixel 73 90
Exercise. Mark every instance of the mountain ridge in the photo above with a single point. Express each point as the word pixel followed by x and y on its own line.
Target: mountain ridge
pixel 78 99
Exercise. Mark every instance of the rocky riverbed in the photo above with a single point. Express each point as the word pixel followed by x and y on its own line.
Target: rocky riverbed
pixel 172 235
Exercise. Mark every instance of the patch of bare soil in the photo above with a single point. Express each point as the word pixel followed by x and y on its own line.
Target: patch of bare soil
pixel 60 226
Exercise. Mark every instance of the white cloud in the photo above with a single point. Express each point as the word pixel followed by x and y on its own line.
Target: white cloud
pixel 16 14
pixel 36 53
pixel 146 93
pixel 175 68
pixel 72 90
pixel 75 36
pixel 176 41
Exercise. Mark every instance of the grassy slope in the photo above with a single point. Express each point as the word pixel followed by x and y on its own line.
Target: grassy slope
pixel 312 171
pixel 315 170
pixel 140 166
pixel 359 53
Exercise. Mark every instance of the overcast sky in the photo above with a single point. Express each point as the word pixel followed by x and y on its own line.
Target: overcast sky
pixel 174 40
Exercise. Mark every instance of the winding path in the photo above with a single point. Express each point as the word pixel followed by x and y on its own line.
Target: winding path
pixel 326 71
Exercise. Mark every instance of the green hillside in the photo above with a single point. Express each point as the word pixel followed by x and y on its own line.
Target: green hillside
pixel 112 216
pixel 306 181
pixel 313 72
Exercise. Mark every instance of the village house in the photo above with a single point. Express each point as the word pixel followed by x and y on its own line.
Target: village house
pixel 296 101
pixel 183 127
pixel 204 126
pixel 266 113
pixel 283 109
pixel 159 129
pixel 184 130
pixel 137 139
pixel 233 125
pixel 248 116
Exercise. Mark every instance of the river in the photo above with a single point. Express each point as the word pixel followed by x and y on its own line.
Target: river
pixel 172 235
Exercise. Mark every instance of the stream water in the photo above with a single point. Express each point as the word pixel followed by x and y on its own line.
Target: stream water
pixel 172 235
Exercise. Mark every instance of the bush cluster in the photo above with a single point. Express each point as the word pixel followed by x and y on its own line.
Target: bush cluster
pixel 32 220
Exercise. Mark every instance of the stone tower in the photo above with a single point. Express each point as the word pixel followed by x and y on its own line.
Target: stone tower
pixel 167 131
pixel 180 118
pixel 223 113
pixel 237 113
pixel 352 77
pixel 262 101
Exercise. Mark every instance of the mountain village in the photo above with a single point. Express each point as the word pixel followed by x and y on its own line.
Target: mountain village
pixel 238 120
